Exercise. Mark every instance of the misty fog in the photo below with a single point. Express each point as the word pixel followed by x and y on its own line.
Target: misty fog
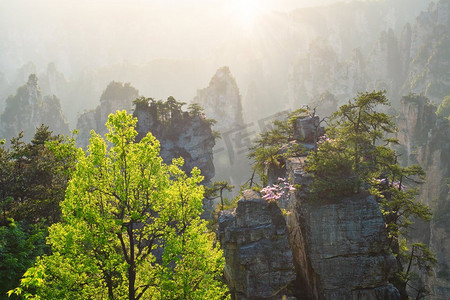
pixel 162 48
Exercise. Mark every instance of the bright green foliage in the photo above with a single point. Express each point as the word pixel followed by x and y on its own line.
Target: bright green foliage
pixel 331 168
pixel 33 180
pixel 123 206
pixel 361 127
pixel 191 265
pixel 348 156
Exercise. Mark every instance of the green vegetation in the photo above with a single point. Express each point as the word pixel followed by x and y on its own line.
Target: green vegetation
pixel 130 228
pixel 266 150
pixel 349 154
pixel 353 157
pixel 216 191
pixel 33 179
pixel 20 244
pixel 443 110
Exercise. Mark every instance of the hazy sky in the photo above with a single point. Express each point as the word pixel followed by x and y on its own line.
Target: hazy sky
pixel 77 32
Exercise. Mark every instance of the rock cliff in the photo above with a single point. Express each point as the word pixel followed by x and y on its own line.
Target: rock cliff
pixel 425 139
pixel 28 109
pixel 180 134
pixel 339 249
pixel 429 53
pixel 222 100
pixel 116 96
pixel 188 136
pixel 254 238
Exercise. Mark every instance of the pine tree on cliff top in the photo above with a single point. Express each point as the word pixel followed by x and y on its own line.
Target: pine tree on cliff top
pixel 355 156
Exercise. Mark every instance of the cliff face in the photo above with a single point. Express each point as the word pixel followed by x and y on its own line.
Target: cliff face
pixel 184 136
pixel 426 141
pixel 222 101
pixel 254 238
pixel 27 110
pixel 116 96
pixel 339 249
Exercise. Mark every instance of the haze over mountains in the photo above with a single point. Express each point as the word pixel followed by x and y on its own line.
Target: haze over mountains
pixel 76 48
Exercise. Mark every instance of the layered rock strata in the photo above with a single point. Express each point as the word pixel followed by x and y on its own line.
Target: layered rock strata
pixel 340 248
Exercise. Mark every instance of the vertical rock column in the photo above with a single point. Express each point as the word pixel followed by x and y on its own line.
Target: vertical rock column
pixel 254 238
pixel 340 248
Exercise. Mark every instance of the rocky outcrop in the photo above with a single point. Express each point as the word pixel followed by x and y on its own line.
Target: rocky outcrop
pixel 185 135
pixel 28 109
pixel 116 96
pixel 222 100
pixel 340 249
pixel 254 238
pixel 425 139
pixel 180 134
pixel 308 130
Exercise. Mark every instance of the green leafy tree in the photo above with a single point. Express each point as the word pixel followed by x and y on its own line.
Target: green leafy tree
pixel 34 178
pixel 216 191
pixel 174 106
pixel 361 126
pixel 130 228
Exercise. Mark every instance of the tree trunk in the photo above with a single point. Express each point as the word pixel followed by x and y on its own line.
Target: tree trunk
pixel 132 266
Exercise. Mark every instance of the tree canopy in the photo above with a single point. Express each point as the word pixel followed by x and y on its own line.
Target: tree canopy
pixel 130 228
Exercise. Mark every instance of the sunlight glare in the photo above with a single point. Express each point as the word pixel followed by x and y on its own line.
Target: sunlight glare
pixel 245 13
